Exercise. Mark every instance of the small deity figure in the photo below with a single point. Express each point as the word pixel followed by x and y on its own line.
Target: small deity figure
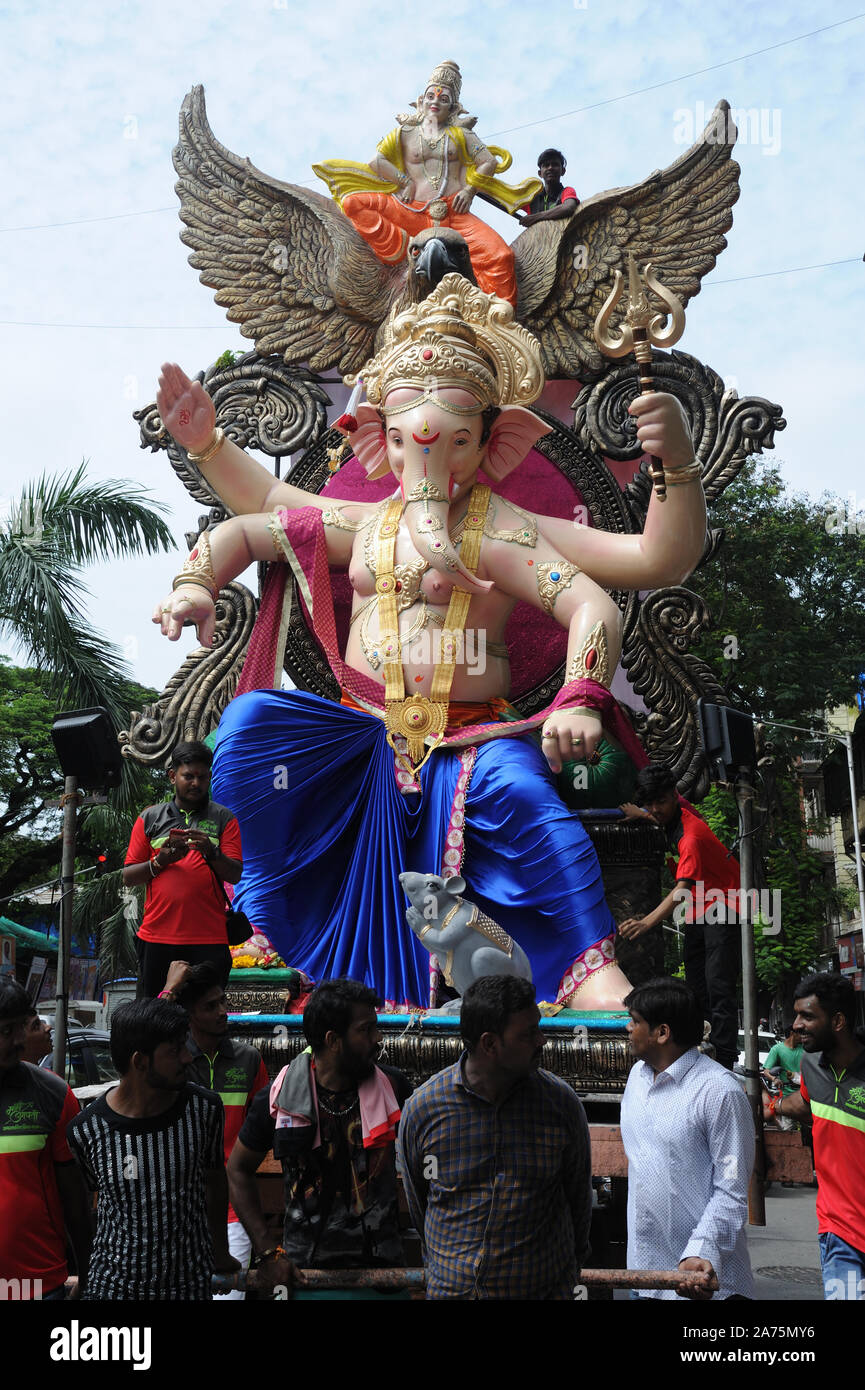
pixel 424 765
pixel 426 174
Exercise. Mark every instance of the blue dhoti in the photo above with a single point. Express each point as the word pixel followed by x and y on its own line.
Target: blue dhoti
pixel 327 830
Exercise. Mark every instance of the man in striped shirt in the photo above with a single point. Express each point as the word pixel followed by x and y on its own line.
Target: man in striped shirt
pixel 234 1070
pixel 495 1159
pixel 152 1150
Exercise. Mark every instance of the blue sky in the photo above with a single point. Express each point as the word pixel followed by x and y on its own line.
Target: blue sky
pixel 89 119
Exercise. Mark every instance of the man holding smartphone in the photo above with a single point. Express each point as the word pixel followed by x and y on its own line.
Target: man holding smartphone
pixel 182 851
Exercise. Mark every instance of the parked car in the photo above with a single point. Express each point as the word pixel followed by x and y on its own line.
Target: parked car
pixel 765 1043
pixel 88 1057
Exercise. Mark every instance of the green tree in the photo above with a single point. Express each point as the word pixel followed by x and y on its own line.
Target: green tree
pixel 787 600
pixel 30 829
pixel 790 868
pixel 786 597
pixel 30 779
pixel 55 528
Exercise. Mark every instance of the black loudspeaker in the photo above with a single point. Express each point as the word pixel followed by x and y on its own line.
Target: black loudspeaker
pixel 728 738
pixel 87 747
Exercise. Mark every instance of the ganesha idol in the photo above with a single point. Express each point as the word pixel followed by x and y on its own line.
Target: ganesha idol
pixel 423 765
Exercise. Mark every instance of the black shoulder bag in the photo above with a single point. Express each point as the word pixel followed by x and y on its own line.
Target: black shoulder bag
pixel 237 924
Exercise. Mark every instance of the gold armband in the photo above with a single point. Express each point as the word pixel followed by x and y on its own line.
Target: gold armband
pixel 217 439
pixel 199 568
pixel 677 477
pixel 592 661
pixel 553 576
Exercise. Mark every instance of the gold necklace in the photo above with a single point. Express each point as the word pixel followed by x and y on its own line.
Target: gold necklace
pixel 408 576
pixel 434 180
pixel 371 649
pixel 421 720
pixel 402 572
pixel 433 144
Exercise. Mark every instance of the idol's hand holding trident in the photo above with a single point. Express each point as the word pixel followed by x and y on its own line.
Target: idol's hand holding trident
pixel 643 329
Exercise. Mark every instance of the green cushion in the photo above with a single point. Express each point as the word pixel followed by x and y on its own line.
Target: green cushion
pixel 608 783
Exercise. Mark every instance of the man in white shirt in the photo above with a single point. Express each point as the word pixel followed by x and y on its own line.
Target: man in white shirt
pixel 689 1137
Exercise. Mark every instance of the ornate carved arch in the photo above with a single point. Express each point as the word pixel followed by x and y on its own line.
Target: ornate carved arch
pixel 264 405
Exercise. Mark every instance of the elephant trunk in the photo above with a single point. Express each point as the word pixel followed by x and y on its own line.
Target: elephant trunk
pixel 427 523
pixel 426 516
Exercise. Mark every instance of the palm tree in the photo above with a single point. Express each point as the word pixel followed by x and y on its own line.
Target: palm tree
pixel 58 526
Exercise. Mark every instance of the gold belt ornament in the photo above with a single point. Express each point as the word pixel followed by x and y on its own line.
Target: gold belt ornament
pixel 422 720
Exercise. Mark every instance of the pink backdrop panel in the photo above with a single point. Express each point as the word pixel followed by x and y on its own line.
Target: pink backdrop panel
pixel 536 642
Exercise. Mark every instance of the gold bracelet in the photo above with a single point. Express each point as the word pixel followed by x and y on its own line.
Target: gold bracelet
pixel 199 568
pixel 677 477
pixel 181 579
pixel 217 439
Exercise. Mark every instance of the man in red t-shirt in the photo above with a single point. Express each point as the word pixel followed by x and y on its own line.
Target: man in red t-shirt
pixel 707 887
pixel 555 199
pixel 42 1196
pixel 832 1100
pixel 182 851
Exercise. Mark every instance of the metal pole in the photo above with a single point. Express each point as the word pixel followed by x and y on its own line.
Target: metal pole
pixel 397 1280
pixel 857 841
pixel 745 801
pixel 67 888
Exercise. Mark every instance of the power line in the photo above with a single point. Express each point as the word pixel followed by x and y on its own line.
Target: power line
pixel 510 130
pixel 792 270
pixel 670 81
pixel 122 327
pixel 52 883
pixel 210 328
pixel 82 221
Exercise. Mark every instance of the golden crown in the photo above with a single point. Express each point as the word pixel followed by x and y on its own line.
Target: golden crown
pixel 457 338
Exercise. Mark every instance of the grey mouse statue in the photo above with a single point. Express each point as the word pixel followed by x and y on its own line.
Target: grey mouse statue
pixel 466 942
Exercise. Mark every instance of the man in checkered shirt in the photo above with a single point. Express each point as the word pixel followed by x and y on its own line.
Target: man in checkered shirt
pixel 495 1159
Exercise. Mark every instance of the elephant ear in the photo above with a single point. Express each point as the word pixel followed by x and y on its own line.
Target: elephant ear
pixel 513 434
pixel 368 442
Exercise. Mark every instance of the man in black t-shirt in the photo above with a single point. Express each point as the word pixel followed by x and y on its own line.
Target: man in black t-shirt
pixel 152 1150
pixel 334 1132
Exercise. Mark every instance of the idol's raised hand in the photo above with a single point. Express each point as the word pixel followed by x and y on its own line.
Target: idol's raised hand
pixel 185 408
pixel 662 428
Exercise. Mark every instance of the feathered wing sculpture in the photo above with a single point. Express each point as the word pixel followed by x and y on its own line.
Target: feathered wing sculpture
pixel 676 218
pixel 297 277
pixel 284 261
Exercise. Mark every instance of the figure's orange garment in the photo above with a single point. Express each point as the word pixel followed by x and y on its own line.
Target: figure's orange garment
pixel 386 224
pixel 461 713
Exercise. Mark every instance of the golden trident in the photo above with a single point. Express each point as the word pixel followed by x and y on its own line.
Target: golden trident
pixel 643 329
